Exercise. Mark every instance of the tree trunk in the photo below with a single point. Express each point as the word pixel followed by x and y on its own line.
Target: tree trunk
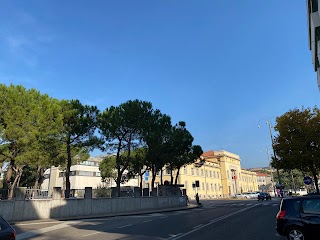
pixel 171 176
pixel 67 192
pixel 177 175
pixel 118 181
pixel 7 181
pixel 153 169
pixel 36 184
pixel 141 177
pixel 18 175
pixel 161 176
pixel 315 180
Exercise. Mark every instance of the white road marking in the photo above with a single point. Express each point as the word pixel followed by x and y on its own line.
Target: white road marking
pixel 91 234
pixel 211 222
pixel 125 226
pixel 197 226
pixel 173 236
pixel 44 230
pixel 36 223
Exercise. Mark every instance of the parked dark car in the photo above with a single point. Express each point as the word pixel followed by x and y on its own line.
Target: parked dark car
pixel 264 196
pixel 299 217
pixel 6 231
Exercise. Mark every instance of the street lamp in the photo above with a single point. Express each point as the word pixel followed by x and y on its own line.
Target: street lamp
pixel 274 153
pixel 274 190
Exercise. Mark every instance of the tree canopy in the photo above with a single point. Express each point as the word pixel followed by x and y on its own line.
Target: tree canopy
pixel 297 143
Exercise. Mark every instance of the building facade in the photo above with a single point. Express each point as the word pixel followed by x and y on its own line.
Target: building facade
pixel 314 34
pixel 83 174
pixel 219 175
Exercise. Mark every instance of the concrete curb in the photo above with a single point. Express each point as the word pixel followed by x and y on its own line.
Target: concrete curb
pixel 189 207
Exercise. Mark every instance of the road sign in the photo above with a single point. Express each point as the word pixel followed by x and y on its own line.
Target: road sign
pixel 307 180
pixel 146 176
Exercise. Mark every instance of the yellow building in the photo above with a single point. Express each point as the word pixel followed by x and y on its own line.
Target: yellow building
pixel 220 175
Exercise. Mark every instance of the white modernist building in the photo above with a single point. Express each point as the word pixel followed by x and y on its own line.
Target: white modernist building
pixel 83 174
pixel 314 34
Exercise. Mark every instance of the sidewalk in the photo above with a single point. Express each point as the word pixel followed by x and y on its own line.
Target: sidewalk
pixel 189 207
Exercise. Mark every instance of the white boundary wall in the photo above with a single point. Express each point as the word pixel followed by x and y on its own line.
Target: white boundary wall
pixel 21 210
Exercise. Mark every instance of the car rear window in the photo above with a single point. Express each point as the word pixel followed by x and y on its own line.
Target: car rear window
pixel 311 206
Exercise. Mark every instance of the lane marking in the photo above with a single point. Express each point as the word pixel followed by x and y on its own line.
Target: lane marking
pixel 211 222
pixel 36 223
pixel 125 226
pixel 173 235
pixel 91 234
pixel 44 230
pixel 197 226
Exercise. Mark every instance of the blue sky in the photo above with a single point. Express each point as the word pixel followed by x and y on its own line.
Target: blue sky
pixel 221 66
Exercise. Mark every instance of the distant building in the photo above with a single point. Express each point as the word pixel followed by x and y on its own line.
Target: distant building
pixel 83 174
pixel 314 34
pixel 264 182
pixel 219 176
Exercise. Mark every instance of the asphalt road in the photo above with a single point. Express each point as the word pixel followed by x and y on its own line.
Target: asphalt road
pixel 217 219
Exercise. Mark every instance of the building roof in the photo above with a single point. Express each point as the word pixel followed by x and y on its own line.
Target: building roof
pixel 262 174
pixel 208 154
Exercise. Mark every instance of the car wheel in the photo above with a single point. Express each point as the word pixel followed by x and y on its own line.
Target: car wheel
pixel 295 233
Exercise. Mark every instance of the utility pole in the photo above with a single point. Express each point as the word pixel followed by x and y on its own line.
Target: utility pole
pixel 274 190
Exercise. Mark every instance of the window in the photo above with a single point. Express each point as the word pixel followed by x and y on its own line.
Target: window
pixel 211 186
pixel 215 186
pixel 61 174
pixel 207 186
pixel 202 186
pixel 206 173
pixel 210 174
pixel 311 206
pixel 197 172
pixel 214 174
pixel 168 171
pixel 192 172
pixel 85 173
pixel 98 174
pixel 185 170
pixel 218 175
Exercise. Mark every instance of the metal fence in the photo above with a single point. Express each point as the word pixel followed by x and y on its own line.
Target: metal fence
pixel 36 194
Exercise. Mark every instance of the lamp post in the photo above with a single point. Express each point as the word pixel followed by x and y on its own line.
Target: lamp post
pixel 274 190
pixel 274 153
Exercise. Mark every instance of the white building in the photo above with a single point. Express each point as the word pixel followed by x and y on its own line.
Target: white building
pixel 84 174
pixel 314 34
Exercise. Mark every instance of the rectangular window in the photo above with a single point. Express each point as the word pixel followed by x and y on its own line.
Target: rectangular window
pixel 202 186
pixel 207 173
pixel 192 172
pixel 168 171
pixel 207 186
pixel 98 174
pixel 215 186
pixel 185 170
pixel 214 174
pixel 218 175
pixel 210 174
pixel 211 186
pixel 85 173
pixel 197 172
